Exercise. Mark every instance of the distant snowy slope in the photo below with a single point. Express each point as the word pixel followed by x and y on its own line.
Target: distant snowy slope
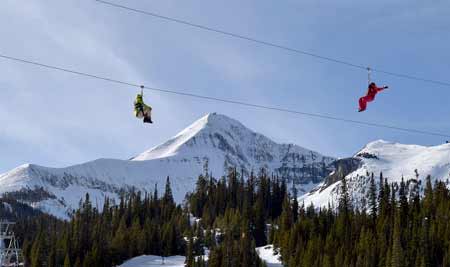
pixel 412 162
pixel 217 140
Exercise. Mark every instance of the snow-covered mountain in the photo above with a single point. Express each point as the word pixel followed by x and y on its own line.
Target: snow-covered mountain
pixel 216 139
pixel 395 161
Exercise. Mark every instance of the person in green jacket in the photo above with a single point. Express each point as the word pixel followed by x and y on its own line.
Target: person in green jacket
pixel 141 110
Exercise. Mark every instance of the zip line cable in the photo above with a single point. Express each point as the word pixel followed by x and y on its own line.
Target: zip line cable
pixel 271 44
pixel 229 101
pixel 230 34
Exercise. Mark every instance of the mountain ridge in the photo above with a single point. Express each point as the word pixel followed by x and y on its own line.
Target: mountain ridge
pixel 410 162
pixel 215 140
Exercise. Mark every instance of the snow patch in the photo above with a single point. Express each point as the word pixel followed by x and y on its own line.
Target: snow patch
pixel 269 255
pixel 266 253
pixel 154 261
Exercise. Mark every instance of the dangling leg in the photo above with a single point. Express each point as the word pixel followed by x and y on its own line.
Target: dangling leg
pixel 150 115
pixel 362 104
pixel 147 115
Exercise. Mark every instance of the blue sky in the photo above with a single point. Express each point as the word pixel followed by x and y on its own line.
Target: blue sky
pixel 58 119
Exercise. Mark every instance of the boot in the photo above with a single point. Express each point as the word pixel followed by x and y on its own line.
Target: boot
pixel 147 120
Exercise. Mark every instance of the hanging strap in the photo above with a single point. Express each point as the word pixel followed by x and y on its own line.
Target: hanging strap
pixel 369 71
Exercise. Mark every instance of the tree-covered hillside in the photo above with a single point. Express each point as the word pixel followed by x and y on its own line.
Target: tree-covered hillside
pixel 227 218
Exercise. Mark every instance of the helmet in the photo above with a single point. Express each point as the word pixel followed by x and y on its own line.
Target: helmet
pixel 372 85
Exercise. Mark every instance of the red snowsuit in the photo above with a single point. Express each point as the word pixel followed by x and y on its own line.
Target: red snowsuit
pixel 371 93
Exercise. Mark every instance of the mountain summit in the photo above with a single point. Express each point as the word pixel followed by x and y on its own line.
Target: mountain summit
pixel 214 140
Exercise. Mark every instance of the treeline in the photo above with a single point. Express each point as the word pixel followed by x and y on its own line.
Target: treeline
pixel 227 218
pixel 139 224
pixel 399 229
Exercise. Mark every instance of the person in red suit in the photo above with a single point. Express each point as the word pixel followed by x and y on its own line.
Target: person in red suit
pixel 372 91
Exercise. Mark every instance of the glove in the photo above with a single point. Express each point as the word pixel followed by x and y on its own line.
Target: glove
pixel 386 87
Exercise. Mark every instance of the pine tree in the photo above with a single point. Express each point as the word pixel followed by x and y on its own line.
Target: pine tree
pixel 428 198
pixel 373 198
pixel 135 234
pixel 344 210
pixel 260 223
pixel 199 198
pixel 67 261
pixel 245 254
pixel 446 260
pixel 404 207
pixel 397 255
pixel 190 260
pixel 120 242
pixel 155 193
pixel 287 218
pixel 37 251
pixel 344 198
pixel 168 196
pixel 295 205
